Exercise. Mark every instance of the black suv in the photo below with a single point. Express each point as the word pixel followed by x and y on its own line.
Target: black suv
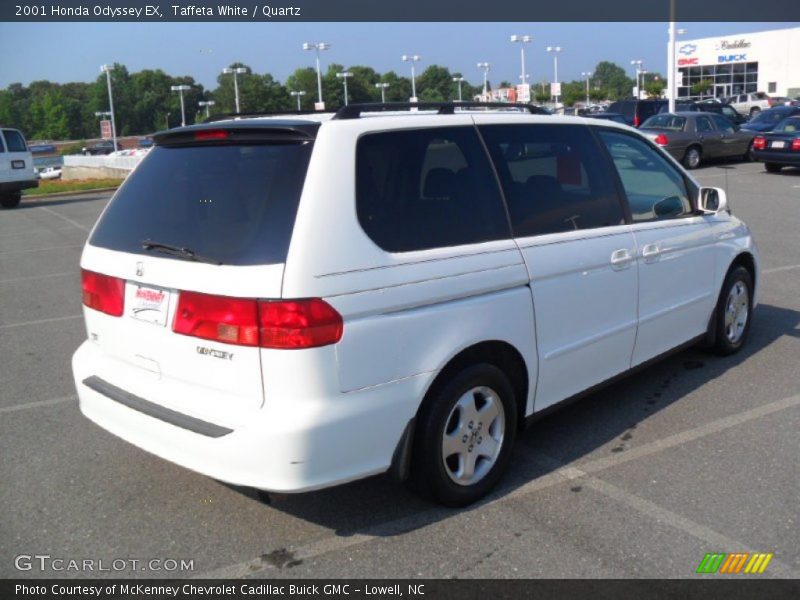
pixel 104 147
pixel 636 112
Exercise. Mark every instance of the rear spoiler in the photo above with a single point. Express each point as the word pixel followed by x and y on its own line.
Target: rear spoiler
pixel 235 135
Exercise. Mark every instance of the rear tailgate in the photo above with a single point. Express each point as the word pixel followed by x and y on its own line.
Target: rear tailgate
pixel 198 224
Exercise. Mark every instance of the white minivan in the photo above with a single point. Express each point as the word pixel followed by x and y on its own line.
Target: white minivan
pixel 16 167
pixel 290 303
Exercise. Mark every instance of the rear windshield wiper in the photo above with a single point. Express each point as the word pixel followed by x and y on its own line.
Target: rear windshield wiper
pixel 186 253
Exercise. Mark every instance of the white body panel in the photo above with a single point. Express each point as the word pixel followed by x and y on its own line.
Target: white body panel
pixel 305 419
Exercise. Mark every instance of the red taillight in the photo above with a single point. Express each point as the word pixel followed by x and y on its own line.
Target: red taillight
pixel 103 292
pixel 759 142
pixel 299 324
pixel 661 140
pixel 636 120
pixel 288 324
pixel 211 134
pixel 219 318
pixel 796 144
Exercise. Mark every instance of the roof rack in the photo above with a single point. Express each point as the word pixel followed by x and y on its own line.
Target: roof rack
pixel 353 111
pixel 277 113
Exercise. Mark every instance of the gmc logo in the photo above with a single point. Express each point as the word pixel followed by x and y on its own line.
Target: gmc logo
pixel 732 58
pixel 687 61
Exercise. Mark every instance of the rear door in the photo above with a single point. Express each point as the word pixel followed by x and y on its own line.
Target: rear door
pixel 675 247
pixel 195 233
pixel 709 136
pixel 568 221
pixel 16 162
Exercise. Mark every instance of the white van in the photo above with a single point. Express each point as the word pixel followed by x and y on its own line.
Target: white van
pixel 16 167
pixel 292 303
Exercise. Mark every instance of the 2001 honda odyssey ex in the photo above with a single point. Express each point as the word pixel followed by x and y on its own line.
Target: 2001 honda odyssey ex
pixel 292 303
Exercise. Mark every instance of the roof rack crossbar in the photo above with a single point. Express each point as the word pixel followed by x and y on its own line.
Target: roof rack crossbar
pixel 353 111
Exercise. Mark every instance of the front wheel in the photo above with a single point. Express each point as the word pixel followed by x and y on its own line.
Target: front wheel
pixel 464 436
pixel 772 167
pixel 691 160
pixel 734 311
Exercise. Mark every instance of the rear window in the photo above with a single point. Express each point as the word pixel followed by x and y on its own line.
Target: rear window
pixel 14 141
pixel 791 125
pixel 235 204
pixel 665 122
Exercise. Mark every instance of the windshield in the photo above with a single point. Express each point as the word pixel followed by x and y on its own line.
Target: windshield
pixel 231 204
pixel 791 125
pixel 670 122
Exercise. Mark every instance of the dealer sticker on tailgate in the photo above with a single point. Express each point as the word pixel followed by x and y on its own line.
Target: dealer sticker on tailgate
pixel 147 303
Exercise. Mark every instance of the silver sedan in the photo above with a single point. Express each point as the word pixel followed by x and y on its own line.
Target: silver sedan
pixel 692 137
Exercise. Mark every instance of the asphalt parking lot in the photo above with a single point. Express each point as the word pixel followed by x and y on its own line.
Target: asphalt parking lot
pixel 696 454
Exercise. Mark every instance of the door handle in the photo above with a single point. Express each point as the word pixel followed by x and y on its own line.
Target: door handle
pixel 621 259
pixel 650 253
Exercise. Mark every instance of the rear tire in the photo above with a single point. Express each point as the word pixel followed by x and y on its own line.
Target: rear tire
pixel 465 433
pixel 11 200
pixel 692 158
pixel 734 312
pixel 748 156
pixel 772 167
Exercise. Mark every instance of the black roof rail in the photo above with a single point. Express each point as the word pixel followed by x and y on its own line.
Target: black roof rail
pixel 353 111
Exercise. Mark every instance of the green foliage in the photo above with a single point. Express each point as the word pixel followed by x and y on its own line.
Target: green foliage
pixel 611 78
pixel 702 87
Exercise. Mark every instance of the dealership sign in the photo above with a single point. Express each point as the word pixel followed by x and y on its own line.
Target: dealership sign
pixel 732 58
pixel 685 62
pixel 734 45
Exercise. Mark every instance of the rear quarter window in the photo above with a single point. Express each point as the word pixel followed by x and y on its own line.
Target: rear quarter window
pixel 235 204
pixel 14 141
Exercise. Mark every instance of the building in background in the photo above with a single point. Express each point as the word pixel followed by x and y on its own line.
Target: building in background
pixel 766 61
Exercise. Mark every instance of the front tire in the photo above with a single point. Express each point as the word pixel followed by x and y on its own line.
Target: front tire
pixel 772 167
pixel 11 200
pixel 692 158
pixel 465 433
pixel 734 312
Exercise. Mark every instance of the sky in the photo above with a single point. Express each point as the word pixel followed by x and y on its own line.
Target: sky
pixel 64 52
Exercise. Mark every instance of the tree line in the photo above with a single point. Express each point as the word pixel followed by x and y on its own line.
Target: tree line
pixel 144 103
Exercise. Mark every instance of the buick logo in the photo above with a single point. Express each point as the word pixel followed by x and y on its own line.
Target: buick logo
pixel 687 49
pixel 139 269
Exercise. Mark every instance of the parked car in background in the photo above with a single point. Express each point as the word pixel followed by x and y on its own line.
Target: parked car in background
pixel 780 147
pixel 636 112
pixel 16 167
pixel 145 142
pixel 720 108
pixel 768 119
pixel 752 103
pixel 607 116
pixel 691 137
pixel 99 148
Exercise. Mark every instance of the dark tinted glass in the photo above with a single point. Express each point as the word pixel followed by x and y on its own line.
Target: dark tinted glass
pixel 554 178
pixel 14 141
pixel 654 188
pixel 666 121
pixel 722 123
pixel 234 204
pixel 427 188
pixel 791 125
pixel 703 124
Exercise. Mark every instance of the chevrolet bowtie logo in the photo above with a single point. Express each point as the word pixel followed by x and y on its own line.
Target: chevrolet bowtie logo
pixel 687 49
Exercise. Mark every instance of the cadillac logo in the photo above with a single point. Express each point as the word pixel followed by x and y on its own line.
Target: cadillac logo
pixel 734 45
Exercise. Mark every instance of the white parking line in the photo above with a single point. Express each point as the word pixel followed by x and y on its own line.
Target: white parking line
pixel 67 219
pixel 779 269
pixel 7 252
pixel 31 277
pixel 40 321
pixel 39 404
pixel 559 475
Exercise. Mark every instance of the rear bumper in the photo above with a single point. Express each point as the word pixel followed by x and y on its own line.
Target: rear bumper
pixel 289 445
pixel 781 158
pixel 17 186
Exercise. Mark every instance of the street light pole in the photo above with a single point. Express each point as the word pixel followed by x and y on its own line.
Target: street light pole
pixel 207 104
pixel 522 40
pixel 344 76
pixel 298 94
pixel 486 68
pixel 587 75
pixel 382 86
pixel 318 47
pixel 107 70
pixel 235 72
pixel 459 81
pixel 638 64
pixel 555 50
pixel 412 58
pixel 180 89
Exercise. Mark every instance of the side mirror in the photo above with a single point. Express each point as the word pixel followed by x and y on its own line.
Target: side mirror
pixel 712 200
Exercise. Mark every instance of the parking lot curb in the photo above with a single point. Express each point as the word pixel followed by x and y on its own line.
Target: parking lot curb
pixel 72 193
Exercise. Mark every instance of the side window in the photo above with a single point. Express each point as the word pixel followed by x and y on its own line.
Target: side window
pixel 14 141
pixel 703 125
pixel 723 124
pixel 427 188
pixel 654 188
pixel 552 178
